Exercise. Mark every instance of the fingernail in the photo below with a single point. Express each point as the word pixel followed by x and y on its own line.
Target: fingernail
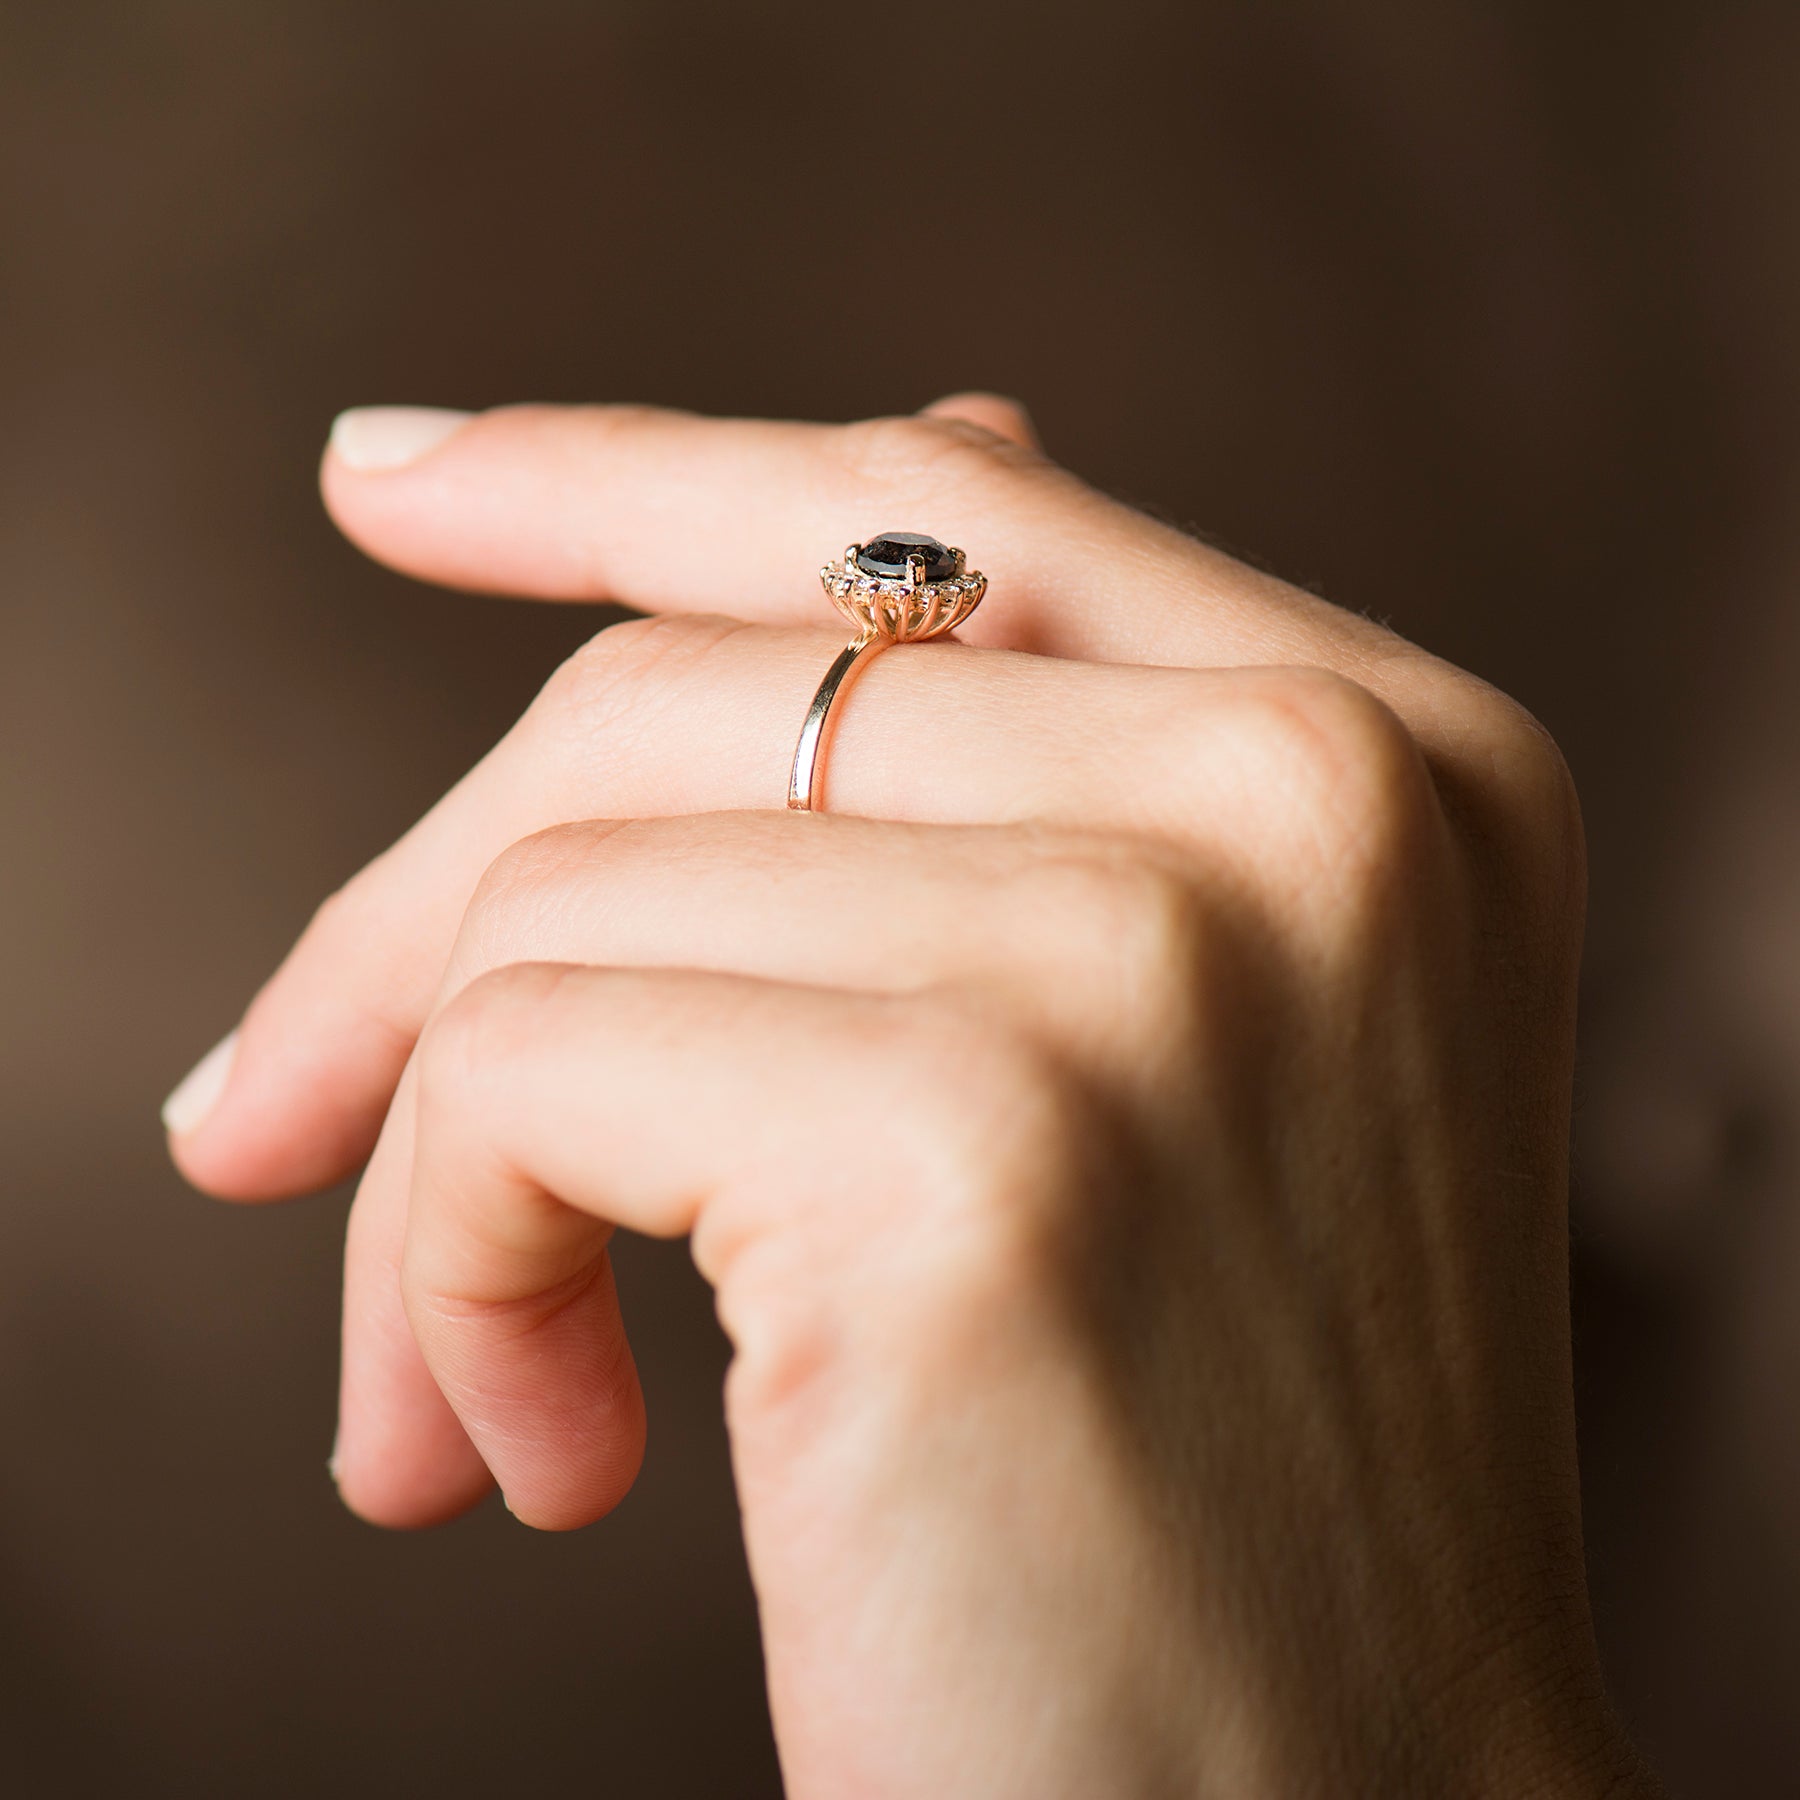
pixel 200 1089
pixel 390 437
pixel 331 1467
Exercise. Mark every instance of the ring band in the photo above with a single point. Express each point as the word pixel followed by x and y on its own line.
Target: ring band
pixel 899 588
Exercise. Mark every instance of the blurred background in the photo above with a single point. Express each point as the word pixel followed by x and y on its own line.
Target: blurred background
pixel 1480 317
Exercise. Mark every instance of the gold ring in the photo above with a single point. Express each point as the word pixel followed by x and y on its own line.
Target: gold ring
pixel 899 588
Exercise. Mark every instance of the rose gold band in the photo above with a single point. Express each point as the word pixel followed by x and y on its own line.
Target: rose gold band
pixel 900 588
pixel 805 787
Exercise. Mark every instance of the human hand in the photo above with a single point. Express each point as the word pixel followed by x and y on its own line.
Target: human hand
pixel 1127 1136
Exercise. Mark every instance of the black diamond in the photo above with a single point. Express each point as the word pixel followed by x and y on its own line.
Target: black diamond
pixel 886 556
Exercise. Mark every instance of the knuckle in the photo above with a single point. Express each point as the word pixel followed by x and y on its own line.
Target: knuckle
pixel 998 1129
pixel 1340 784
pixel 1143 907
pixel 1137 926
pixel 528 862
pixel 1001 413
pixel 1528 776
pixel 1509 801
pixel 967 1222
pixel 525 891
pixel 480 1031
pixel 626 671
pixel 544 860
pixel 925 456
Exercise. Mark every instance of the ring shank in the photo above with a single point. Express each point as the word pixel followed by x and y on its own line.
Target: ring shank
pixel 805 784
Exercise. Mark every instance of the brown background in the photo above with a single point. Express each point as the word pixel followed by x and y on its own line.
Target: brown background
pixel 1479 317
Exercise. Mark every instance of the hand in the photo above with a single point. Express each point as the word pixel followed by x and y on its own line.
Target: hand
pixel 1127 1137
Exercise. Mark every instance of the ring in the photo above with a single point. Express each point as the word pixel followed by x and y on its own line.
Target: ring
pixel 899 588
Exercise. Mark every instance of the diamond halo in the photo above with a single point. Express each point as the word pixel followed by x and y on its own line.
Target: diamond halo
pixel 868 590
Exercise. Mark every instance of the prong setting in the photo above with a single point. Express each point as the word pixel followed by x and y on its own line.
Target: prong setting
pixel 903 587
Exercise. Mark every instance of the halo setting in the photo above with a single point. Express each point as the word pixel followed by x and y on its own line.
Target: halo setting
pixel 903 586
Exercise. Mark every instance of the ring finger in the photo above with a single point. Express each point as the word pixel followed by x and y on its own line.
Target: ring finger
pixel 694 715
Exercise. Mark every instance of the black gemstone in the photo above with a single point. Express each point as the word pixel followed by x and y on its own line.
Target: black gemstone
pixel 886 556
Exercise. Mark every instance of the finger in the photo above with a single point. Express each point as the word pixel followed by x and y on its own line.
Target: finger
pixel 850 903
pixel 696 716
pixel 552 1100
pixel 307 1078
pixel 668 512
pixel 401 1458
pixel 404 1458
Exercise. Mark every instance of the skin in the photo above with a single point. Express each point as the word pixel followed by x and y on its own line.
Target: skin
pixel 1127 1134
